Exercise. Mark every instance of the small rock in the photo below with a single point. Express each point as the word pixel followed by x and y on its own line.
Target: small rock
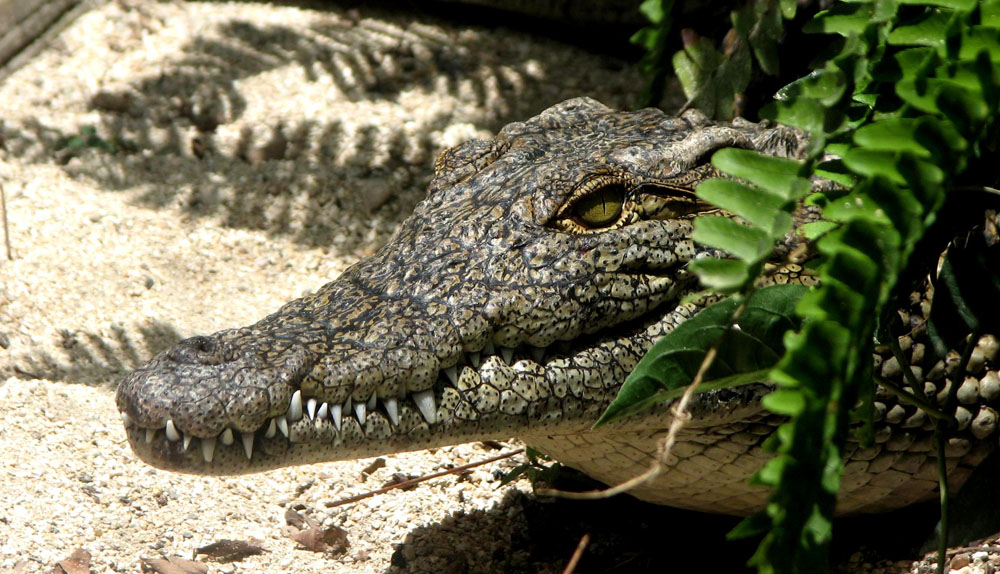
pixel 959 561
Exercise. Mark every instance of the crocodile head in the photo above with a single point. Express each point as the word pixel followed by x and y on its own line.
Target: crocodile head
pixel 515 300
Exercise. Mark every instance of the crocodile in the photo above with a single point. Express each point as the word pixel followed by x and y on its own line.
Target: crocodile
pixel 539 268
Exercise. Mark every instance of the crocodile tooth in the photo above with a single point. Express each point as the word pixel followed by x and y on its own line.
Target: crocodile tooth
pixel 282 425
pixel 227 437
pixel 336 411
pixel 311 409
pixel 324 411
pixel 359 411
pixel 295 407
pixel 507 353
pixel 247 443
pixel 150 433
pixel 187 441
pixel 272 429
pixel 538 354
pixel 488 349
pixel 452 373
pixel 126 420
pixel 172 434
pixel 392 409
pixel 208 448
pixel 474 359
pixel 425 402
pixel 372 401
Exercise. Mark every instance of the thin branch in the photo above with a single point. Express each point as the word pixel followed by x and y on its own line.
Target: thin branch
pixel 979 188
pixel 6 229
pixel 575 559
pixel 420 479
pixel 941 430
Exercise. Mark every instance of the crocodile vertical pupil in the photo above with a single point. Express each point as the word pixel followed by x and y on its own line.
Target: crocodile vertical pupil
pixel 600 208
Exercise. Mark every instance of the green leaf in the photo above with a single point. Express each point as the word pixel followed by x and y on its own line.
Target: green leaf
pixel 807 114
pixel 963 5
pixel 694 66
pixel 779 176
pixel 870 163
pixel 765 35
pixel 981 38
pixel 844 19
pixel 827 86
pixel 836 171
pixel 757 206
pixel 722 275
pixel 787 8
pixel 653 10
pixel 928 30
pixel 891 135
pixel 784 402
pixel 815 229
pixel 990 13
pixel 721 232
pixel 745 355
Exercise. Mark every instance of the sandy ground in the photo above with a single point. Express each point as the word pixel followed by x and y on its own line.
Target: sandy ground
pixel 176 168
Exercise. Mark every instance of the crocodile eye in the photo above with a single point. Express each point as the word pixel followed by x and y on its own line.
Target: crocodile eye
pixel 602 207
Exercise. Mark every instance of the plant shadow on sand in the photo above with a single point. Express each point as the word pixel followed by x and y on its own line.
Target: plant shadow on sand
pixel 339 182
pixel 98 359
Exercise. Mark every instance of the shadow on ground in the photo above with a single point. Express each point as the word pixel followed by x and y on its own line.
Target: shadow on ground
pixel 98 359
pixel 322 181
pixel 530 535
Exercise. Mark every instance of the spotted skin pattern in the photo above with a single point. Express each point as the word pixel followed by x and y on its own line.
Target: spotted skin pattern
pixel 497 310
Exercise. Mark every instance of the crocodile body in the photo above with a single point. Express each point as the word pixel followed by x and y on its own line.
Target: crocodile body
pixel 514 301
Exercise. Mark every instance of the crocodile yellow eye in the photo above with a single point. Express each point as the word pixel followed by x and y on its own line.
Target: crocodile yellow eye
pixel 601 207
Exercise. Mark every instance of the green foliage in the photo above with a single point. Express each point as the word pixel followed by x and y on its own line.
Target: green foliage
pixel 713 79
pixel 907 102
pixel 746 353
pixel 88 138
pixel 539 468
pixel 765 203
pixel 654 39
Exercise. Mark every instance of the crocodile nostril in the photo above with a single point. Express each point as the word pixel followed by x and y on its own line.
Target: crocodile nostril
pixel 199 350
